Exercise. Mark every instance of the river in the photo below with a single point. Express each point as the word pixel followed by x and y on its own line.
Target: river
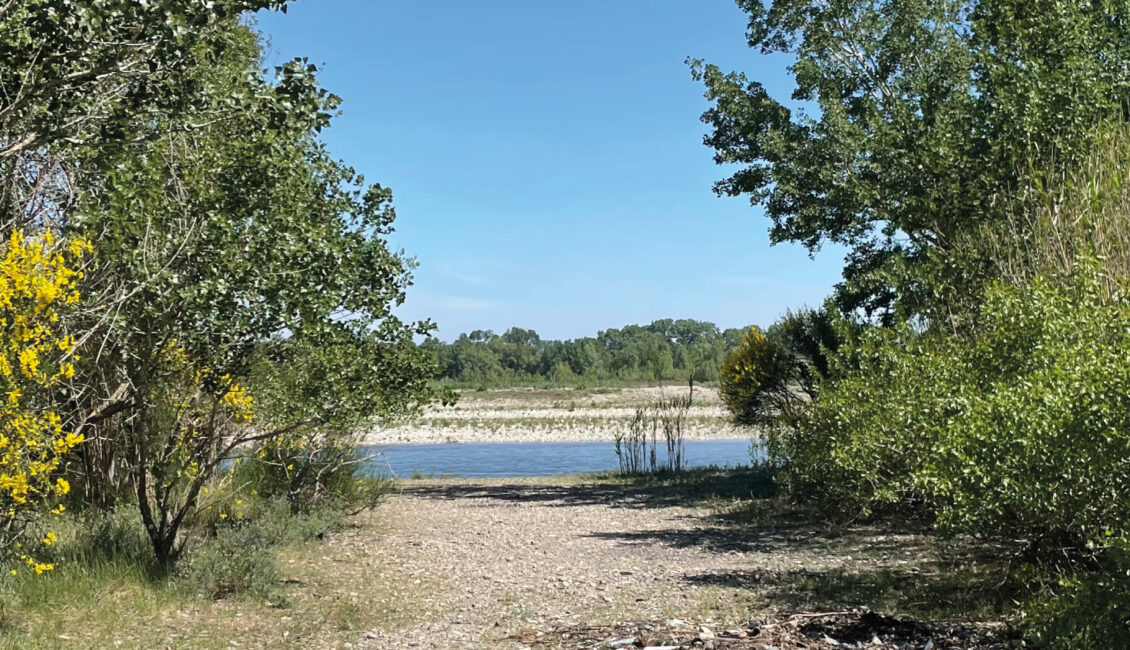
pixel 510 459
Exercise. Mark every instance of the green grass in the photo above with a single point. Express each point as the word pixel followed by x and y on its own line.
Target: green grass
pixel 78 602
pixel 105 588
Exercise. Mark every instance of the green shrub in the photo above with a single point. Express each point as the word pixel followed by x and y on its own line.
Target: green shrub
pixel 312 471
pixel 239 560
pixel 241 540
pixel 1084 609
pixel 810 336
pixel 1021 430
pixel 770 374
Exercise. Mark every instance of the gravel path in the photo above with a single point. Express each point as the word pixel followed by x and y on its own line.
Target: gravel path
pixel 509 563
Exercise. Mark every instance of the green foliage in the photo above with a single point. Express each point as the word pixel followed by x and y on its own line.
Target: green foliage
pixel 315 471
pixel 240 555
pixel 239 561
pixel 236 551
pixel 1019 431
pixel 265 306
pixel 1012 420
pixel 769 374
pixel 91 73
pixel 243 289
pixel 972 156
pixel 665 350
pixel 1084 609
pixel 811 336
pixel 96 539
pixel 915 121
pixel 1063 213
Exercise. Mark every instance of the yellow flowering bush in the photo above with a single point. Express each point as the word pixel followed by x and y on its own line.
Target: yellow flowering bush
pixel 198 405
pixel 755 379
pixel 39 279
pixel 197 418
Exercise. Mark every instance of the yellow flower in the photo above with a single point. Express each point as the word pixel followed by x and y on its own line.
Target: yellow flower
pixel 29 362
pixel 37 279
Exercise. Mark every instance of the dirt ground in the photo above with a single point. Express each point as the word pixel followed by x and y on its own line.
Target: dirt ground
pixel 716 560
pixel 560 563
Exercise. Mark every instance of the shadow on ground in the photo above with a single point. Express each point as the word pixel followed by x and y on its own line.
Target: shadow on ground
pixel 934 591
pixel 690 488
pixel 893 568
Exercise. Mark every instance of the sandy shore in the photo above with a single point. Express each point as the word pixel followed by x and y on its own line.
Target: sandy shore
pixel 535 415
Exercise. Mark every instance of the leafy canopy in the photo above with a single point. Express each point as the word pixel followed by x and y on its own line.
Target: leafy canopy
pixel 914 118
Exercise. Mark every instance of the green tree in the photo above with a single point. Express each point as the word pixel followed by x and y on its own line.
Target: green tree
pixel 80 78
pixel 229 240
pixel 88 73
pixel 663 350
pixel 913 120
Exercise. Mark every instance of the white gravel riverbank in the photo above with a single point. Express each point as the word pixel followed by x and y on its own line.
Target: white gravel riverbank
pixel 535 415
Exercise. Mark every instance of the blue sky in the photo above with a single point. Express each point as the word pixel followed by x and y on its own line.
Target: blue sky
pixel 546 158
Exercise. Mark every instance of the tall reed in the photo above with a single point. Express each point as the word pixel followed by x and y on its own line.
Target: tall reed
pixel 637 448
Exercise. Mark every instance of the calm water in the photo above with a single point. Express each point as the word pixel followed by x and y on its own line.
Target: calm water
pixel 485 459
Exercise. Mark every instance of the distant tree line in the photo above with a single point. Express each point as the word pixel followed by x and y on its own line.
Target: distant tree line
pixel 665 350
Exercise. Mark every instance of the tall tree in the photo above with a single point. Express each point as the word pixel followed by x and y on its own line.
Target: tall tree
pixel 916 119
pixel 242 288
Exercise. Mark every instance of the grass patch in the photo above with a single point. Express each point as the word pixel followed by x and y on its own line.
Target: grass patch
pixel 106 591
